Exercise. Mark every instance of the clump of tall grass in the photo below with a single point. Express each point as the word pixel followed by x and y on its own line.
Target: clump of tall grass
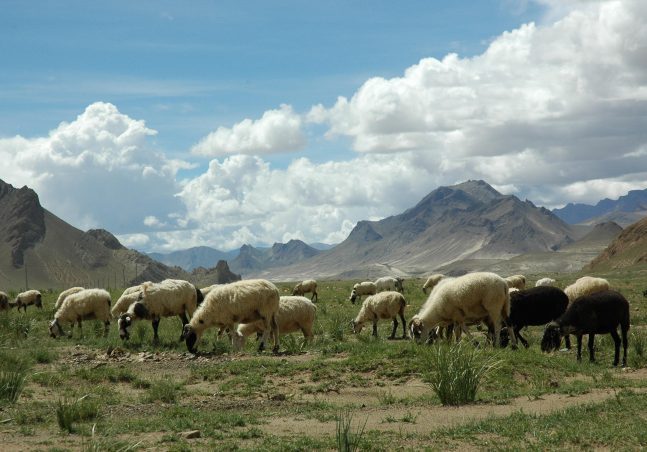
pixel 457 371
pixel 347 440
pixel 13 372
pixel 69 413
pixel 638 348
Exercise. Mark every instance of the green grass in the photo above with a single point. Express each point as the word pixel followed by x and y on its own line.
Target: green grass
pixel 232 398
pixel 348 440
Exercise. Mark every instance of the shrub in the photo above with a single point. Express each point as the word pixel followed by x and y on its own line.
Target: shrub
pixel 69 413
pixel 456 372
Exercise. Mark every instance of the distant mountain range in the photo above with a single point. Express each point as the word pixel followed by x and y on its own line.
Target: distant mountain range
pixel 199 256
pixel 38 249
pixel 627 250
pixel 625 210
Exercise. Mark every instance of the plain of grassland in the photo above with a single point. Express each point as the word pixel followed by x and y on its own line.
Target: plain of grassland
pixel 96 393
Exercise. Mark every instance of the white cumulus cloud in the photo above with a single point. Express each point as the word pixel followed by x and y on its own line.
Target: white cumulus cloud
pixel 276 131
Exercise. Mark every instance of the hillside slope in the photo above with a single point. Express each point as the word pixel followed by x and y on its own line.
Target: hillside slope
pixel 627 250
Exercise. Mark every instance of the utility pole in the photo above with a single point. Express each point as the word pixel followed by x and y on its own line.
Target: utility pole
pixel 26 280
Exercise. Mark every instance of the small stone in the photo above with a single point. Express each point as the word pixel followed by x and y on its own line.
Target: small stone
pixel 192 434
pixel 278 397
pixel 553 384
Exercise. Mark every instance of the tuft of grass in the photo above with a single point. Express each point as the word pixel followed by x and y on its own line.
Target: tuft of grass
pixel 13 372
pixel 347 440
pixel 291 344
pixel 165 390
pixel 457 371
pixel 69 413
pixel 337 326
pixel 44 356
pixel 638 348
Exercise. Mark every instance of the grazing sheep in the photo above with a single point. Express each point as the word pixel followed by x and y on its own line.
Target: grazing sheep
pixel 307 286
pixel 239 302
pixel 83 305
pixel 517 281
pixel 28 298
pixel 363 288
pixel 534 306
pixel 545 282
pixel 295 313
pixel 431 282
pixel 205 290
pixel 597 313
pixel 383 305
pixel 128 297
pixel 586 285
pixel 4 301
pixel 169 298
pixel 389 283
pixel 469 298
pixel 65 293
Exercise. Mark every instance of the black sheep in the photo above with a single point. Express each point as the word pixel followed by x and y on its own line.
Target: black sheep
pixel 598 313
pixel 534 306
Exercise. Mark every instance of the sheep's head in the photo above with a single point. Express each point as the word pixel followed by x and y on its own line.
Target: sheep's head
pixel 125 320
pixel 39 302
pixel 353 296
pixel 297 290
pixel 190 337
pixel 552 337
pixel 356 326
pixel 416 329
pixel 55 329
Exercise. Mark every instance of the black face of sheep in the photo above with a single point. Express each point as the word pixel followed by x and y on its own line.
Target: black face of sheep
pixel 39 302
pixel 552 338
pixel 124 322
pixel 190 337
pixel 353 297
pixel 645 293
pixel 55 329
pixel 415 330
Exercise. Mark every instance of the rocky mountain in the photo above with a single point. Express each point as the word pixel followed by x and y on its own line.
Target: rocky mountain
pixel 253 260
pixel 199 256
pixel 627 250
pixel 220 274
pixel 39 250
pixel 468 221
pixel 625 210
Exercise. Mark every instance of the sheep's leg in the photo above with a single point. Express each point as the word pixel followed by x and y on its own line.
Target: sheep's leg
pixel 395 327
pixel 78 321
pixel 591 347
pixel 307 333
pixel 579 347
pixel 624 329
pixel 374 327
pixel 616 343
pixel 184 322
pixel 106 328
pixel 567 341
pixel 517 333
pixel 315 297
pixel 71 333
pixel 275 333
pixel 156 324
pixel 404 326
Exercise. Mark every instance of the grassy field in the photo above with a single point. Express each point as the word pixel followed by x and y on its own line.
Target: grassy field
pixel 341 391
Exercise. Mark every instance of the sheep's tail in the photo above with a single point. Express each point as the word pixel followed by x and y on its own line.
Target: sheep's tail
pixel 200 297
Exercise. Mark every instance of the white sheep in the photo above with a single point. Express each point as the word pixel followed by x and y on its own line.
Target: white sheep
pixel 517 281
pixel 586 285
pixel 28 298
pixel 470 298
pixel 383 305
pixel 387 283
pixel 545 282
pixel 295 313
pixel 431 282
pixel 65 293
pixel 205 290
pixel 128 297
pixel 239 302
pixel 363 288
pixel 168 298
pixel 83 305
pixel 307 286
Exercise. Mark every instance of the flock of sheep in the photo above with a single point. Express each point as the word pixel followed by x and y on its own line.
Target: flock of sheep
pixel 245 307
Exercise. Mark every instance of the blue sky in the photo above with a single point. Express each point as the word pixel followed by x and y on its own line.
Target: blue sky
pixel 176 124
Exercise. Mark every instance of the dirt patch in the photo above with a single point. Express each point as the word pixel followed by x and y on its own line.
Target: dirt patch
pixel 423 420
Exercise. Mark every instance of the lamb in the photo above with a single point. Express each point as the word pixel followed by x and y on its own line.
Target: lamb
pixel 597 313
pixel 295 313
pixel 383 305
pixel 169 298
pixel 128 297
pixel 363 288
pixel 239 302
pixel 65 293
pixel 28 298
pixel 83 305
pixel 431 282
pixel 307 286
pixel 474 297
pixel 534 306
pixel 4 301
pixel 517 281
pixel 586 285
pixel 389 283
pixel 545 282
